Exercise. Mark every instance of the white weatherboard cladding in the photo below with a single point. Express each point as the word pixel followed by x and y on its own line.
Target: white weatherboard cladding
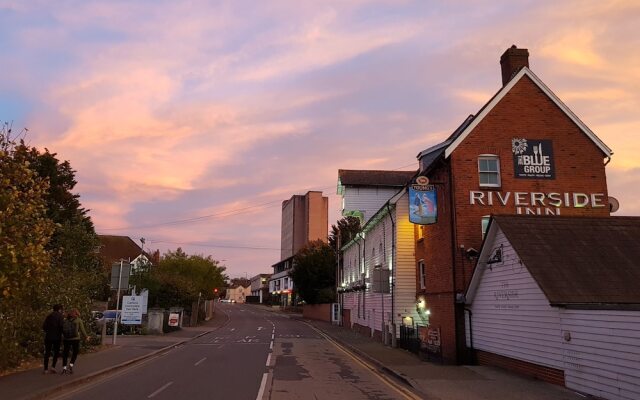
pixel 511 315
pixel 373 309
pixel 603 356
pixel 368 200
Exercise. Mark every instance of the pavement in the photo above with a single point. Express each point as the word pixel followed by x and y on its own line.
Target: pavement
pixel 33 385
pixel 428 380
pixel 434 381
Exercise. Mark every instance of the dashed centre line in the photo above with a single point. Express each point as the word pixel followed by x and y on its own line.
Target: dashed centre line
pixel 159 390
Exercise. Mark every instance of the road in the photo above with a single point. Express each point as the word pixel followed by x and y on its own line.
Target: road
pixel 258 355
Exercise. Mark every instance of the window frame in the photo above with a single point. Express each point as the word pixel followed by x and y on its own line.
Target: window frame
pixel 489 157
pixel 483 226
pixel 422 274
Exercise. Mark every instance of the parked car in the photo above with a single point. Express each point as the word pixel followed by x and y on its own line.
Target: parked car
pixel 106 317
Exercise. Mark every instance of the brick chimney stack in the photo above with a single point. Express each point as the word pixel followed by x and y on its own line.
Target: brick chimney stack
pixel 512 61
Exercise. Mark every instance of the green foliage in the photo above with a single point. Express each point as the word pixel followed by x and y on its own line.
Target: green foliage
pixel 46 246
pixel 346 229
pixel 314 273
pixel 180 279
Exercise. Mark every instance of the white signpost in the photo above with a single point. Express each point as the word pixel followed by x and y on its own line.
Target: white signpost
pixel 132 310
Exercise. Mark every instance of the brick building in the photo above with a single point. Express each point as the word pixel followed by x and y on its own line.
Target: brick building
pixel 524 152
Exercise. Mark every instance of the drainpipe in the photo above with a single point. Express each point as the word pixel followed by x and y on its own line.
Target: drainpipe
pixel 473 357
pixel 453 259
pixel 393 278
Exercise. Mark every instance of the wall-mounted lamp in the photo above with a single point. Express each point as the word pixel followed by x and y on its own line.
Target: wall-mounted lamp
pixel 471 253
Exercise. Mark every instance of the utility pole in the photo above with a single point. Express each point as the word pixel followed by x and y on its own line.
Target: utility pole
pixel 115 322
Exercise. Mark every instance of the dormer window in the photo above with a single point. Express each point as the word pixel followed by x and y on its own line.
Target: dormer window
pixel 489 170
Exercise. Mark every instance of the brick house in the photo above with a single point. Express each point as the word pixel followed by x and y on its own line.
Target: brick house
pixel 524 152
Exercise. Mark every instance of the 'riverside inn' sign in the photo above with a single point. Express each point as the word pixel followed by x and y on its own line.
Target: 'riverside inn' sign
pixel 537 203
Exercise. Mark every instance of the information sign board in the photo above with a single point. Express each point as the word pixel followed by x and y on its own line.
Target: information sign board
pixel 131 310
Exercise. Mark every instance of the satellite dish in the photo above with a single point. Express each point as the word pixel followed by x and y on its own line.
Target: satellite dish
pixel 614 204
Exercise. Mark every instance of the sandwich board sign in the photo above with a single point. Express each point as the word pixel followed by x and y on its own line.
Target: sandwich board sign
pixel 131 310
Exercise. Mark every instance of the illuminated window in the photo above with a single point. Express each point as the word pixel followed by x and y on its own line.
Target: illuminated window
pixel 485 224
pixel 422 274
pixel 420 230
pixel 489 170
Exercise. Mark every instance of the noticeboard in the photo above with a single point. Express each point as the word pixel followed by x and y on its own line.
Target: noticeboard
pixel 131 310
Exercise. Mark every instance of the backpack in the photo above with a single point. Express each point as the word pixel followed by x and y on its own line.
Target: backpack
pixel 69 329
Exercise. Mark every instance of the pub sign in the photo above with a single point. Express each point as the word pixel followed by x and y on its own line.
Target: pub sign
pixel 533 159
pixel 423 206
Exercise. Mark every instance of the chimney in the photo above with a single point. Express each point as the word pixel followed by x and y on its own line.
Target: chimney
pixel 512 61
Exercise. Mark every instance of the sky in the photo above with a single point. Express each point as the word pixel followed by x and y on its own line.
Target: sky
pixel 189 122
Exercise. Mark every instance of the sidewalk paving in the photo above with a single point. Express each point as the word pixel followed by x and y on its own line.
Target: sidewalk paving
pixel 32 384
pixel 440 382
pixel 446 382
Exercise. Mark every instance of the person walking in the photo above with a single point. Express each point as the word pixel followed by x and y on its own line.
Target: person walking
pixel 52 327
pixel 71 330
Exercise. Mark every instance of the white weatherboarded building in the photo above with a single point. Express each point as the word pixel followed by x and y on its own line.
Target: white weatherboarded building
pixel 378 282
pixel 557 298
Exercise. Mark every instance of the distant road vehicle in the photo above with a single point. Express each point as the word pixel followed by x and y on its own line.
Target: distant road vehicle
pixel 105 317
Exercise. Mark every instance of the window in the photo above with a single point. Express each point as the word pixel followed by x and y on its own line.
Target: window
pixel 420 230
pixel 422 275
pixel 485 224
pixel 489 170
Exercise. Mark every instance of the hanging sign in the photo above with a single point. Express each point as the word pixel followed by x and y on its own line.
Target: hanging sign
pixel 532 158
pixel 423 207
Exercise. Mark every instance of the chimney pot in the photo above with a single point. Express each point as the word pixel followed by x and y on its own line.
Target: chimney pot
pixel 512 61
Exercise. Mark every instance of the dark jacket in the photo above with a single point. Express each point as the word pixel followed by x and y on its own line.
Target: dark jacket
pixel 79 329
pixel 52 326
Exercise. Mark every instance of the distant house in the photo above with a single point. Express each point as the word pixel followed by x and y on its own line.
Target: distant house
pixel 238 293
pixel 557 298
pixel 114 248
pixel 260 287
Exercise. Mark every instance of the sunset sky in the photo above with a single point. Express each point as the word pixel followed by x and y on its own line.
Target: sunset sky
pixel 188 122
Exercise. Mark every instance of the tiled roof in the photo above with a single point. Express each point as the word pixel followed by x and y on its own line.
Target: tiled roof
pixel 353 177
pixel 113 248
pixel 579 260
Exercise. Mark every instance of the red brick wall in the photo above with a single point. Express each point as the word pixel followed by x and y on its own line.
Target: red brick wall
pixel 320 312
pixel 524 112
pixel 551 375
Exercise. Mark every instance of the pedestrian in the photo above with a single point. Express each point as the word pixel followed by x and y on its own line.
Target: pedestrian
pixel 71 330
pixel 52 327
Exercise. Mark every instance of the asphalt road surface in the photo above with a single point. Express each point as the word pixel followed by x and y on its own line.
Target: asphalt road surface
pixel 257 355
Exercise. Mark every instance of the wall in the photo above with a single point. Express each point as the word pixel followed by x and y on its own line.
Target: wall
pixel 366 199
pixel 524 112
pixel 320 312
pixel 603 356
pixel 370 311
pixel 511 315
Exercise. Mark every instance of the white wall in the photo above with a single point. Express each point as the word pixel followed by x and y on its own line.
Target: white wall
pixel 511 315
pixel 603 356
pixel 373 309
pixel 366 199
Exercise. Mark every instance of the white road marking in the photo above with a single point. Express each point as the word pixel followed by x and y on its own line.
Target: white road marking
pixel 159 390
pixel 263 384
pixel 233 329
pixel 260 328
pixel 268 360
pixel 199 362
pixel 271 346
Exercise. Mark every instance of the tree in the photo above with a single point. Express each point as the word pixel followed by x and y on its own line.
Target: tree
pixel 346 230
pixel 180 279
pixel 47 245
pixel 25 233
pixel 314 272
